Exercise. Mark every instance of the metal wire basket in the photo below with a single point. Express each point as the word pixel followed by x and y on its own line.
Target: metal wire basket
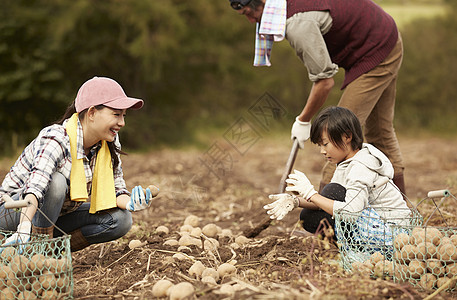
pixel 38 269
pixel 366 237
pixel 426 256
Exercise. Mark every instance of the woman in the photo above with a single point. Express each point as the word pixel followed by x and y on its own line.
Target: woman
pixel 72 172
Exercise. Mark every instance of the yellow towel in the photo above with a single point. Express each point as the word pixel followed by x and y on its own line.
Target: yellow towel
pixel 103 191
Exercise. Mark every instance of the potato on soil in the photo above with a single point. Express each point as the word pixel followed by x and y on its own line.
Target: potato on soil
pixel 161 287
pixel 416 268
pixel 226 269
pixel 210 230
pixel 401 240
pixel 209 280
pixel 192 221
pixel 171 242
pixel 197 269
pixel 181 291
pixel 162 230
pixel 186 228
pixel 427 281
pixel 241 240
pixel 135 244
pixel 211 272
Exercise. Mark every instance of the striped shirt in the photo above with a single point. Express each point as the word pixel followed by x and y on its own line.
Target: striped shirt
pixel 48 153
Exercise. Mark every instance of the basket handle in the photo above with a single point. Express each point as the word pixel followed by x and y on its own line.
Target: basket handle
pixel 438 194
pixel 10 203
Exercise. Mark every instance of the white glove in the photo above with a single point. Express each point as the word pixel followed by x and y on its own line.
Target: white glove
pixel 301 131
pixel 138 199
pixel 21 236
pixel 300 184
pixel 282 205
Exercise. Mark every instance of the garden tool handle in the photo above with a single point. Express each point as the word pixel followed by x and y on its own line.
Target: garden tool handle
pixel 438 194
pixel 289 165
pixel 10 203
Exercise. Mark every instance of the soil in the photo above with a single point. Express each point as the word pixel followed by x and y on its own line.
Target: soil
pixel 228 186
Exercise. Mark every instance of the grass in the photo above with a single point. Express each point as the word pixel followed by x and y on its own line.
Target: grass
pixel 405 13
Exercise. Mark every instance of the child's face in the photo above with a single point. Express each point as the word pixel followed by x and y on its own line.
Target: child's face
pixel 334 154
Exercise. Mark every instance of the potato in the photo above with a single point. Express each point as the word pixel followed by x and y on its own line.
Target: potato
pixel 369 265
pixel 192 221
pixel 161 287
pixel 37 263
pixel 135 244
pixel 426 250
pixel 27 295
pixel 226 269
pixel 427 282
pixel 211 272
pixel 417 236
pixel 62 283
pixel 48 281
pixel 163 229
pixel 451 269
pixel 186 228
pixel 376 257
pixel 436 267
pixel 7 254
pixel 447 252
pixel 408 252
pixel 187 240
pixel 8 293
pixel 227 289
pixel 444 280
pixel 453 239
pixel 241 240
pixel 209 280
pixel 211 244
pixel 210 230
pixel 49 295
pixel 416 268
pixel 433 235
pixel 197 269
pixel 4 271
pixel 401 240
pixel 382 268
pixel 171 242
pixel 18 265
pixel 400 272
pixel 181 291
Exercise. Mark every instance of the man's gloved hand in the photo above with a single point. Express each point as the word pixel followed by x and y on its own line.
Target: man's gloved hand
pixel 300 183
pixel 138 199
pixel 21 236
pixel 301 131
pixel 282 205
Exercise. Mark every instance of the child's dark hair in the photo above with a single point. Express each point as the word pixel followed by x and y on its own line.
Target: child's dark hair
pixel 337 122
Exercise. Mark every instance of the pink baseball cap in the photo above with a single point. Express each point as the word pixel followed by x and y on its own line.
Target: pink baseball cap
pixel 106 91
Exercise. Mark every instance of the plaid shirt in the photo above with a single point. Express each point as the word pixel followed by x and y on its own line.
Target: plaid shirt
pixel 48 153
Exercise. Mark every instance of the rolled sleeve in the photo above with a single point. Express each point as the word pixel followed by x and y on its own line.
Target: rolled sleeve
pixel 305 35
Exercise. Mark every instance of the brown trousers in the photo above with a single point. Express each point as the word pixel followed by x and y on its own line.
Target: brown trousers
pixel 372 98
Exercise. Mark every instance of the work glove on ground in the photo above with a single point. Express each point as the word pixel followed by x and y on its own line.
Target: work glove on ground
pixel 283 204
pixel 301 131
pixel 300 183
pixel 21 236
pixel 139 199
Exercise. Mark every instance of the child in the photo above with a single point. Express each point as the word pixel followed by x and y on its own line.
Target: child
pixel 363 176
pixel 72 172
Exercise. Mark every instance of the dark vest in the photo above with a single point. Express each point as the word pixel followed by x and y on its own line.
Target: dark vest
pixel 362 33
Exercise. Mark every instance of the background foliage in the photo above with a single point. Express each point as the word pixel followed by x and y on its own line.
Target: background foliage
pixel 192 63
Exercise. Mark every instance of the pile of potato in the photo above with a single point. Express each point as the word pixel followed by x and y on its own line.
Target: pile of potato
pixel 426 257
pixel 208 239
pixel 32 276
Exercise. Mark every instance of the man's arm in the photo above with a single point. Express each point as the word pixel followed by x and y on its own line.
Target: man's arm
pixel 317 97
